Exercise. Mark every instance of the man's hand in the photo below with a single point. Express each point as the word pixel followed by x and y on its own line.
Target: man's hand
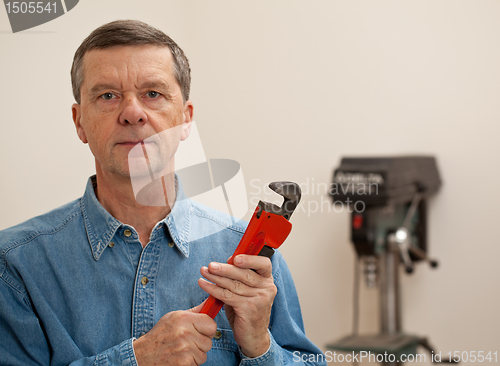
pixel 179 338
pixel 247 289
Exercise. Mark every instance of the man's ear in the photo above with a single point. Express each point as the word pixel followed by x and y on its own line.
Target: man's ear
pixel 188 120
pixel 76 111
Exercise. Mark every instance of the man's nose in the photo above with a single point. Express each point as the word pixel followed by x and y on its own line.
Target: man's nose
pixel 133 112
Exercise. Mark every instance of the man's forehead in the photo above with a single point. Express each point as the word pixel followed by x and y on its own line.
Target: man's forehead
pixel 143 59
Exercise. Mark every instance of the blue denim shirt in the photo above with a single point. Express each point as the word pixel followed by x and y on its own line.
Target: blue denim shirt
pixel 77 287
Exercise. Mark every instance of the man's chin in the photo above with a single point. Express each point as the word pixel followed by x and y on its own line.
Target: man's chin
pixel 140 167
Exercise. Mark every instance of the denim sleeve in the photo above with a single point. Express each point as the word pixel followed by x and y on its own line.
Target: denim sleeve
pixel 122 354
pixel 289 344
pixel 24 342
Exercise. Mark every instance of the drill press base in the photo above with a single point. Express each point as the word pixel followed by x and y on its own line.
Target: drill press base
pixel 397 344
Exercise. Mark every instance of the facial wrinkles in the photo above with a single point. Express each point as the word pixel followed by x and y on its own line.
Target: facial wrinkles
pixel 128 72
pixel 138 67
pixel 143 67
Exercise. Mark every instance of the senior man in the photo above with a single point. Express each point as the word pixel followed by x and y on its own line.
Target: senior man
pixel 105 280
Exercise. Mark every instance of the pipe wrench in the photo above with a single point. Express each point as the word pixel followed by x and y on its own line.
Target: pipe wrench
pixel 267 230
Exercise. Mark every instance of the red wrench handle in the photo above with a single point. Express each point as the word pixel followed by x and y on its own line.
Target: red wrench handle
pixel 266 229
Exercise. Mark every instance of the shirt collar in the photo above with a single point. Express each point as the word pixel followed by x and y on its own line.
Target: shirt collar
pixel 178 220
pixel 101 226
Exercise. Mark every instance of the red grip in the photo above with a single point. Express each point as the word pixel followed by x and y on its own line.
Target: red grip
pixel 267 229
pixel 212 307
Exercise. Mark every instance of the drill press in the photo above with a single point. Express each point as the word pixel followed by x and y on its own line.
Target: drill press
pixel 387 197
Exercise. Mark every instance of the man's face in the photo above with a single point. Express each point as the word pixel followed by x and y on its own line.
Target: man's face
pixel 129 94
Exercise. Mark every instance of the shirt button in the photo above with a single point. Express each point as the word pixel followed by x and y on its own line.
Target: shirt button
pixel 127 233
pixel 111 244
pixel 218 334
pixel 144 280
pixel 171 244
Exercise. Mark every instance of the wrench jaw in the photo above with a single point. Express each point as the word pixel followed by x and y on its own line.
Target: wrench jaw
pixel 291 193
pixel 268 207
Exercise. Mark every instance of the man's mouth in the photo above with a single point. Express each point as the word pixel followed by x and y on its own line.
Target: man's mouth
pixel 133 143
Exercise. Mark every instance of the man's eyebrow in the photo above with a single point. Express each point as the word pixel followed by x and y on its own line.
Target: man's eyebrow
pixel 155 84
pixel 149 84
pixel 96 89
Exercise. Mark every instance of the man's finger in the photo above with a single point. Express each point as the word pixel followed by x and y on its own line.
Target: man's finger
pixel 197 308
pixel 204 325
pixel 223 294
pixel 244 275
pixel 261 265
pixel 204 344
pixel 232 285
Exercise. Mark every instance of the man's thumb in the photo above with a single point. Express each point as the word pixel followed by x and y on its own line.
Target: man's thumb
pixel 197 308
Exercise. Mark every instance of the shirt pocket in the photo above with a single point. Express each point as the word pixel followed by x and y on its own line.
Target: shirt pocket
pixel 224 350
pixel 224 340
pixel 224 337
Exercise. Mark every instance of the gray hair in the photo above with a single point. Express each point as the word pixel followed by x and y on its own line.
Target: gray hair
pixel 130 33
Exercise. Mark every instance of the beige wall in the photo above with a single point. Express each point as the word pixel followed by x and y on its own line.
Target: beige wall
pixel 287 88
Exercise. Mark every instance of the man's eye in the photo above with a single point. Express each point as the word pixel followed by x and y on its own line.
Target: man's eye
pixel 153 94
pixel 107 96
